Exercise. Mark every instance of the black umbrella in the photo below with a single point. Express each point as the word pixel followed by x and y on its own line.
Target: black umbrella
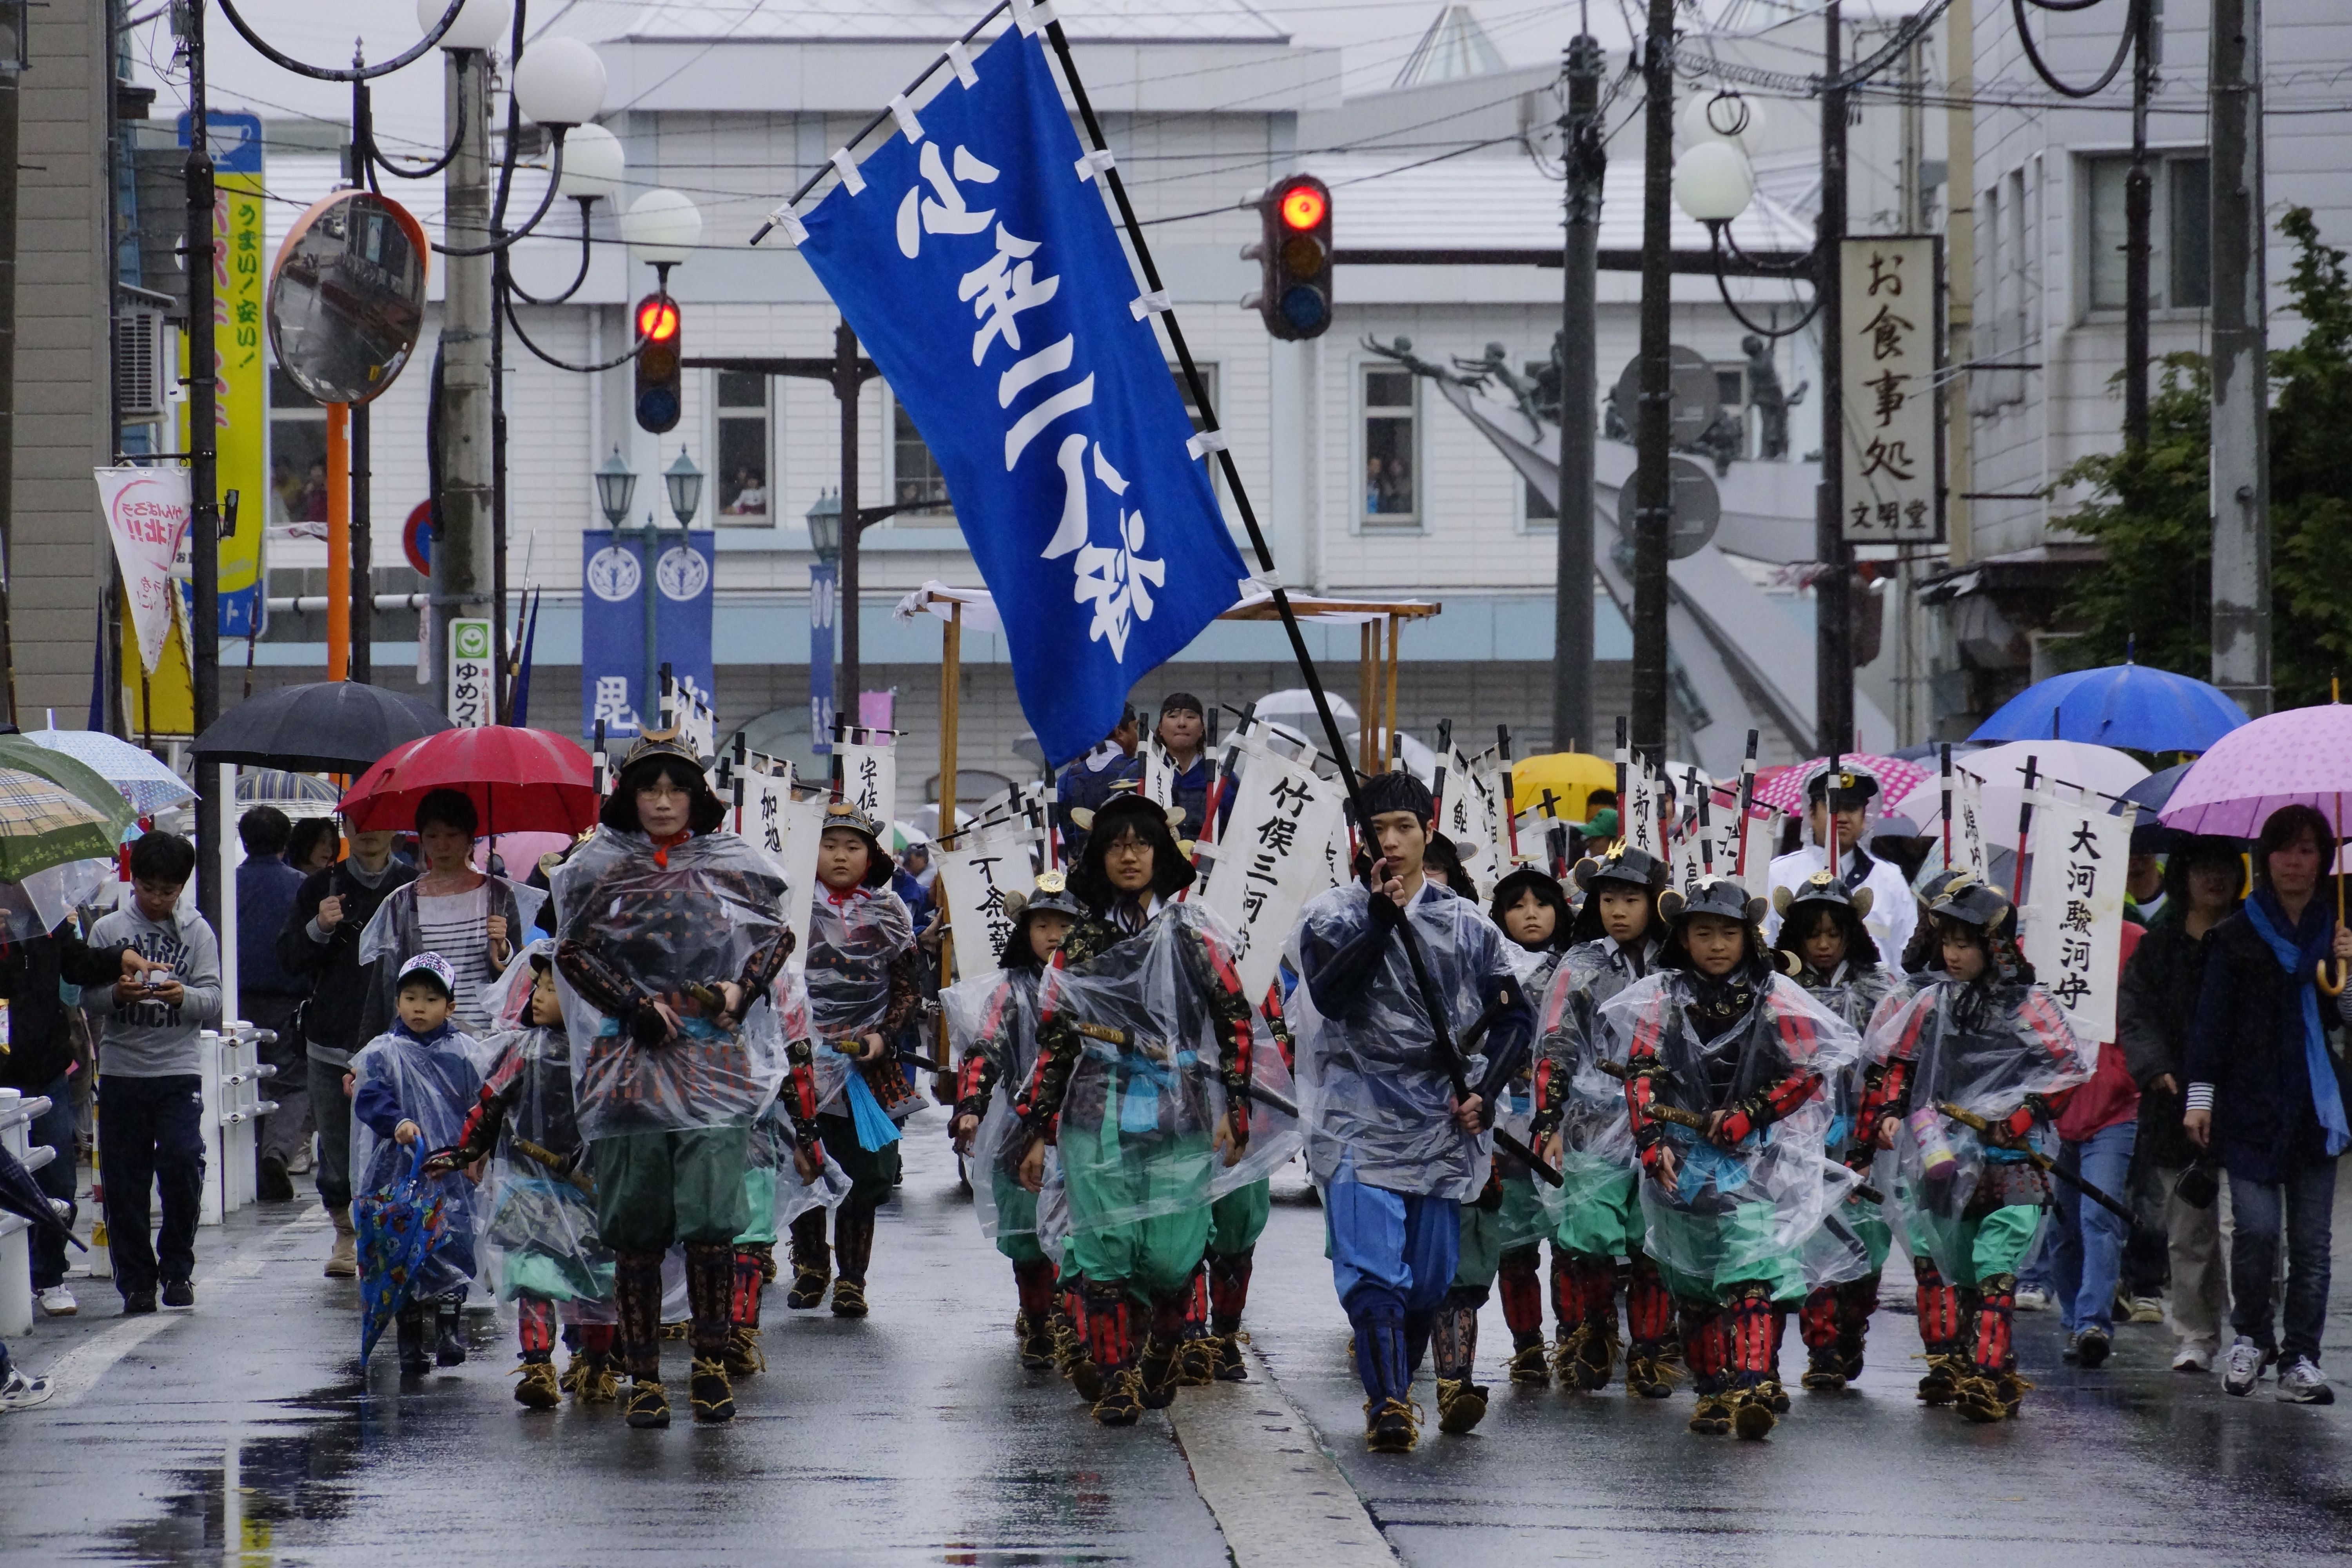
pixel 2150 837
pixel 22 1196
pixel 331 726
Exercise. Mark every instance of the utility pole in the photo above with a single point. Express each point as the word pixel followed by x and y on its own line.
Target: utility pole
pixel 204 470
pixel 1832 590
pixel 462 565
pixel 1586 158
pixel 362 655
pixel 2240 465
pixel 1959 272
pixel 2139 205
pixel 11 80
pixel 1653 482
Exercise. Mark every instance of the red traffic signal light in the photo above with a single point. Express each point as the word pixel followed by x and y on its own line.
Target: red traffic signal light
pixel 660 398
pixel 1294 256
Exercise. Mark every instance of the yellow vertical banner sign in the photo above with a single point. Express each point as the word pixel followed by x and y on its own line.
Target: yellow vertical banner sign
pixel 240 282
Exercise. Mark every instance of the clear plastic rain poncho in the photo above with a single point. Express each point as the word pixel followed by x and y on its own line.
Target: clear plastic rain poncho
pixel 538 1192
pixel 394 936
pixel 37 906
pixel 778 1194
pixel 1738 1214
pixel 1146 1090
pixel 435 1086
pixel 853 948
pixel 994 1015
pixel 1372 1092
pixel 1829 1255
pixel 1597 1154
pixel 635 929
pixel 1983 1048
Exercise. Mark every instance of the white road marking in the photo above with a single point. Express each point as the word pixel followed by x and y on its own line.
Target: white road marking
pixel 1278 1496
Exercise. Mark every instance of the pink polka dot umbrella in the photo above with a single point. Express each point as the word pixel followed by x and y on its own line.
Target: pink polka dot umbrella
pixel 2300 757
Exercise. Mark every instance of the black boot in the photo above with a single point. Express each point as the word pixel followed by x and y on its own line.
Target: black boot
pixel 449 1346
pixel 415 1361
pixel 636 1302
pixel 1110 1345
pixel 853 1247
pixel 812 1263
pixel 710 1293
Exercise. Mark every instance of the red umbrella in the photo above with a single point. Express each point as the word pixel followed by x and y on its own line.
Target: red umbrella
pixel 521 781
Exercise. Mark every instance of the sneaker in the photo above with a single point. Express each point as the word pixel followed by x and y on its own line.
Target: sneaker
pixel 22 1393
pixel 179 1293
pixel 2243 1369
pixel 2304 1384
pixel 2147 1310
pixel 2091 1348
pixel 57 1302
pixel 2192 1358
pixel 271 1184
pixel 2033 1298
pixel 2071 1353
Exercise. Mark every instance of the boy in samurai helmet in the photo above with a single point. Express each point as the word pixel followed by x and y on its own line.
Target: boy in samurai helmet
pixel 542 1219
pixel 1983 1039
pixel 1722 1039
pixel 1394 1148
pixel 669 941
pixel 1581 1121
pixel 1142 1078
pixel 1836 959
pixel 862 974
pixel 992 1021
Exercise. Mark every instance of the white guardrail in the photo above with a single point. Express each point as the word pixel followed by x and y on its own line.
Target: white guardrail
pixel 231 1073
pixel 16 1113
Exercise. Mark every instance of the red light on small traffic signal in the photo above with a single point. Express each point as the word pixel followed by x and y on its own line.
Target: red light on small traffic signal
pixel 1303 206
pixel 656 320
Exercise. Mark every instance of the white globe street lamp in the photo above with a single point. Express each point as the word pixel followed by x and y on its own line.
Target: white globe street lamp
pixel 1712 183
pixel 559 82
pixel 482 24
pixel 662 228
pixel 594 163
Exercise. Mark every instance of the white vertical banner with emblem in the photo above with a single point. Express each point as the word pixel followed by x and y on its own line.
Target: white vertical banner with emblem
pixel 976 875
pixel 1637 814
pixel 767 787
pixel 2074 918
pixel 1891 332
pixel 472 674
pixel 869 775
pixel 803 826
pixel 1269 862
pixel 1160 781
pixel 1967 824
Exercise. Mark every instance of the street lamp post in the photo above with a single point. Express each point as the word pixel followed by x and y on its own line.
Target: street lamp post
pixel 825 544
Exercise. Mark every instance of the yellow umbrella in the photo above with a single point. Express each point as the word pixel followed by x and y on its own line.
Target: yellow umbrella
pixel 1570 776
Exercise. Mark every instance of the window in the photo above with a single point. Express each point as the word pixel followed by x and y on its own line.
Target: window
pixel 1192 412
pixel 297 453
pixel 916 486
pixel 1391 460
pixel 742 478
pixel 2179 272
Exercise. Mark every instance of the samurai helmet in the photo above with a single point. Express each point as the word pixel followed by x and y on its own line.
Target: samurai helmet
pixel 1822 887
pixel 1637 867
pixel 1710 896
pixel 849 814
pixel 1052 895
pixel 670 742
pixel 1122 792
pixel 1974 902
pixel 620 807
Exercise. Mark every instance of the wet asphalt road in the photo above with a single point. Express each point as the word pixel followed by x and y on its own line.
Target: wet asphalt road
pixel 241 1433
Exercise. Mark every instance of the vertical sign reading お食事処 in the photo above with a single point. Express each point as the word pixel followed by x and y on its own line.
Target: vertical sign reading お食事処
pixel 241 366
pixel 1890 331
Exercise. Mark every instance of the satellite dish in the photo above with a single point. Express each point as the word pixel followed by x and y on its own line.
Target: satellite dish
pixel 347 296
pixel 1697 400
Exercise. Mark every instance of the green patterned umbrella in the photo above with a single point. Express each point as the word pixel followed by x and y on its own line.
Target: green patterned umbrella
pixel 53 809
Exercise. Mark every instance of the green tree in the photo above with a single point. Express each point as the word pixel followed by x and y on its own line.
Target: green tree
pixel 2150 509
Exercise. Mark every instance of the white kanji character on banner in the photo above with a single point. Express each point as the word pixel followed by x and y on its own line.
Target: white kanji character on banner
pixel 1001 288
pixel 945 211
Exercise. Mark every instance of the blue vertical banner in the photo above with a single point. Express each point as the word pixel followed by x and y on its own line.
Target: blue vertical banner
pixel 825 603
pixel 613 588
pixel 973 255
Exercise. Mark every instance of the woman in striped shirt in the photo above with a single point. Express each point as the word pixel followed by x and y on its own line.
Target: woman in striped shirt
pixel 466 917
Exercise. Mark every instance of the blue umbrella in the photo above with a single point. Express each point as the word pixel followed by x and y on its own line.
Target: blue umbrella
pixel 2132 706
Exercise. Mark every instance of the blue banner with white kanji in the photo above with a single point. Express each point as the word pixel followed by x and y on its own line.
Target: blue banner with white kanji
pixel 617 683
pixel 974 257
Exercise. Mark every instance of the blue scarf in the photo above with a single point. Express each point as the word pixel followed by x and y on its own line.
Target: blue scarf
pixel 2326 1100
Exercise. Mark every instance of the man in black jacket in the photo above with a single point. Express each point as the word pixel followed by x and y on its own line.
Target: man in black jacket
pixel 38 1060
pixel 322 944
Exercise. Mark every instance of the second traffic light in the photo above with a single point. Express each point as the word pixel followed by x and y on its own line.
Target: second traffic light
pixel 659 398
pixel 1294 258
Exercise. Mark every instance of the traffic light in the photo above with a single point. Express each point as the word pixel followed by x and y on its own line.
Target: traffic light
pixel 1294 258
pixel 658 398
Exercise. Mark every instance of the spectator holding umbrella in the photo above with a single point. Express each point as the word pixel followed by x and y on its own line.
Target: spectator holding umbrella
pixel 469 918
pixel 2266 1095
pixel 269 995
pixel 2157 1000
pixel 319 945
